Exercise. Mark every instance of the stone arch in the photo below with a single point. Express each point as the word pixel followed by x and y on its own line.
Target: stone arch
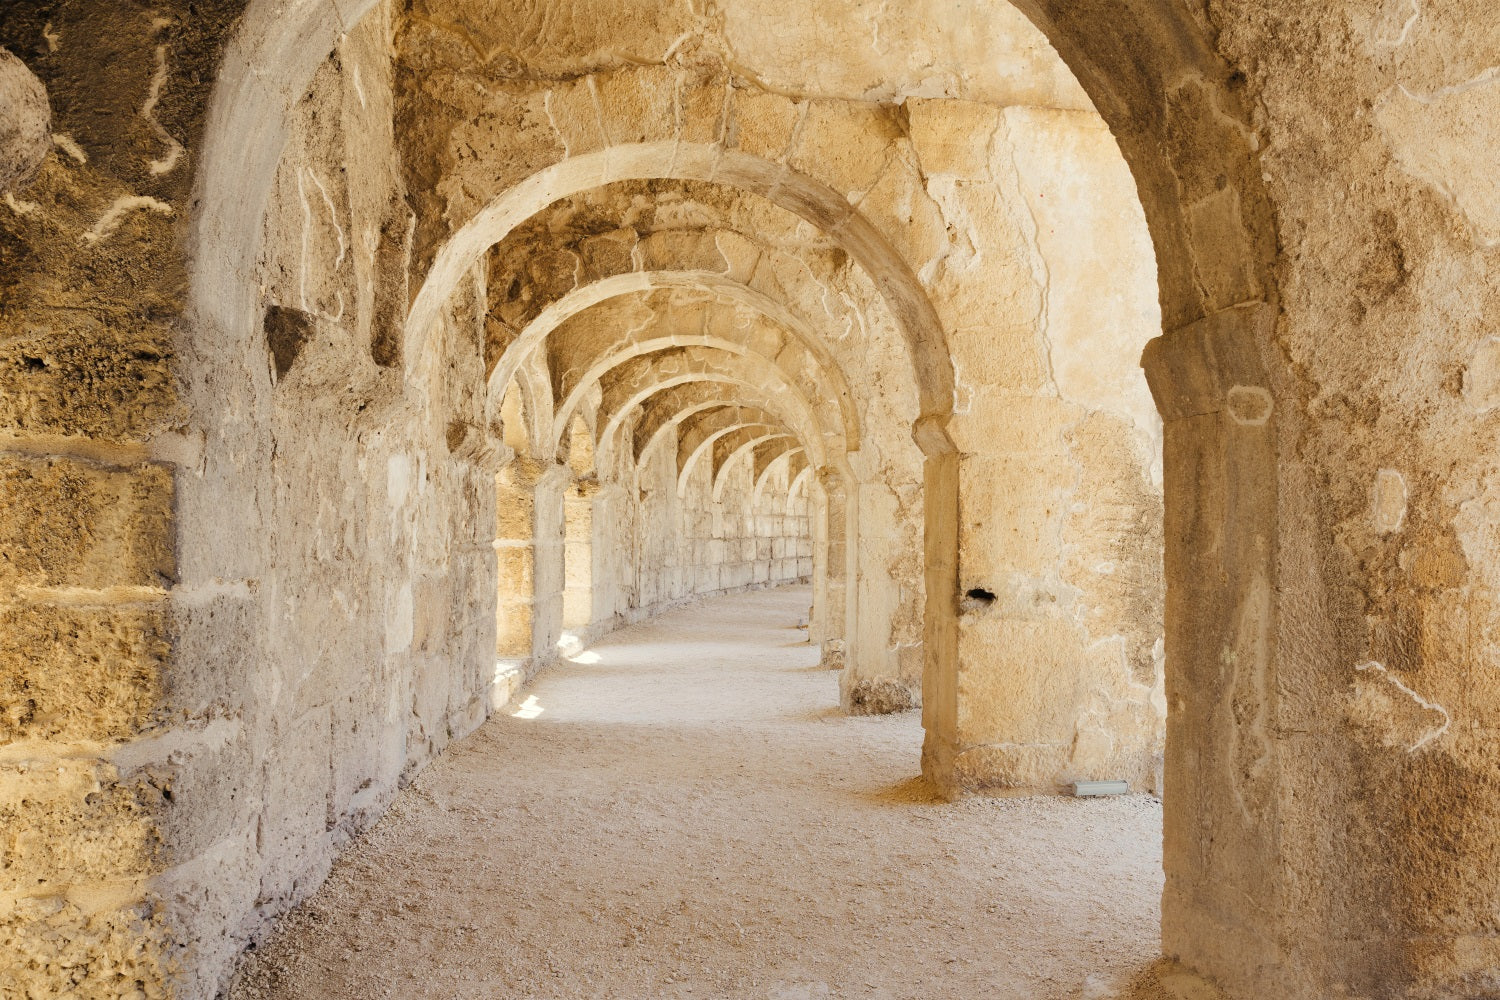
pixel 601 370
pixel 819 204
pixel 624 399
pixel 728 450
pixel 697 441
pixel 791 451
pixel 1154 77
pixel 634 283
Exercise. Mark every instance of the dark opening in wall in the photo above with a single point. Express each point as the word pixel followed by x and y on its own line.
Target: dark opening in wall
pixel 976 599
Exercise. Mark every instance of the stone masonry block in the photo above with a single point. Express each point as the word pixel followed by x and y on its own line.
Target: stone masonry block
pixel 78 673
pixel 75 524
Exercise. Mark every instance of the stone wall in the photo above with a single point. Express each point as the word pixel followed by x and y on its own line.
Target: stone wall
pixel 325 414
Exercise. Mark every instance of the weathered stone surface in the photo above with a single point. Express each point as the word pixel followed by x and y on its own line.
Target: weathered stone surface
pixel 103 676
pixel 500 222
pixel 25 123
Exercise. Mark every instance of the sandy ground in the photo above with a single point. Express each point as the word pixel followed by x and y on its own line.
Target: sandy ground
pixel 683 812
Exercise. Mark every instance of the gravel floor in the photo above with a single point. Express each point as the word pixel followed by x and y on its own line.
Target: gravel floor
pixel 683 812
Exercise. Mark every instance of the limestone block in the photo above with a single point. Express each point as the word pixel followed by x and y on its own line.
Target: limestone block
pixel 844 145
pixel 762 124
pixel 704 102
pixel 573 111
pixel 294 821
pixel 987 52
pixel 906 215
pixel 208 769
pixel 878 696
pixel 517 564
pixel 1002 424
pixel 25 123
pixel 954 138
pixel 513 137
pixel 1013 513
pixel 1036 767
pixel 94 953
pixel 1018 682
pixel 71 823
pixel 75 524
pixel 513 629
pixel 79 673
pixel 217 638
pixel 638 105
pixel 205 899
pixel 88 378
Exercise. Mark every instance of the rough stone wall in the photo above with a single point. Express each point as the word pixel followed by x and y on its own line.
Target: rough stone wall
pixel 1376 124
pixel 291 497
pixel 92 291
pixel 337 538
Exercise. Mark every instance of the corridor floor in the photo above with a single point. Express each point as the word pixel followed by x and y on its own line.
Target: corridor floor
pixel 685 813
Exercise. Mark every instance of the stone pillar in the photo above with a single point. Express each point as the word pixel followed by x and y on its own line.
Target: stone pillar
pixel 578 558
pixel 831 593
pixel 529 549
pixel 1225 908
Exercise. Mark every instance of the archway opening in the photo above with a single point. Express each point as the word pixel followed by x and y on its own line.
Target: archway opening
pixel 919 247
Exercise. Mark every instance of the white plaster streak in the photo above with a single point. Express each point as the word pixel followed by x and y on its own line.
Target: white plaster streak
pixel 874 21
pixel 552 120
pixel 1399 40
pixel 1431 734
pixel 92 597
pixel 20 206
pixel 174 152
pixel 306 241
pixel 65 142
pixel 54 40
pixel 123 206
pixel 678 43
pixel 181 740
pixel 333 219
pixel 359 87
pixel 1484 79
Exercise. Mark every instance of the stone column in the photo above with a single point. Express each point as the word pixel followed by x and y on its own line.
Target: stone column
pixel 831 552
pixel 578 557
pixel 1231 857
pixel 529 549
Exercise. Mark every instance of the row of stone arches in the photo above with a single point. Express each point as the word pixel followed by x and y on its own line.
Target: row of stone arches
pixel 362 186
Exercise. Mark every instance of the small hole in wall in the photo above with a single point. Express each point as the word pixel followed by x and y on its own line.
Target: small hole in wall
pixel 977 599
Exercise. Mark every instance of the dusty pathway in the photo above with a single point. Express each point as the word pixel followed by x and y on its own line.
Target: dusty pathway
pixel 689 816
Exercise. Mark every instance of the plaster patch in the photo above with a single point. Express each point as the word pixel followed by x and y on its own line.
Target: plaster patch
pixel 1482 377
pixel 398 621
pixel 66 143
pixel 1445 140
pixel 20 206
pixel 397 479
pixel 1249 405
pixel 1388 505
